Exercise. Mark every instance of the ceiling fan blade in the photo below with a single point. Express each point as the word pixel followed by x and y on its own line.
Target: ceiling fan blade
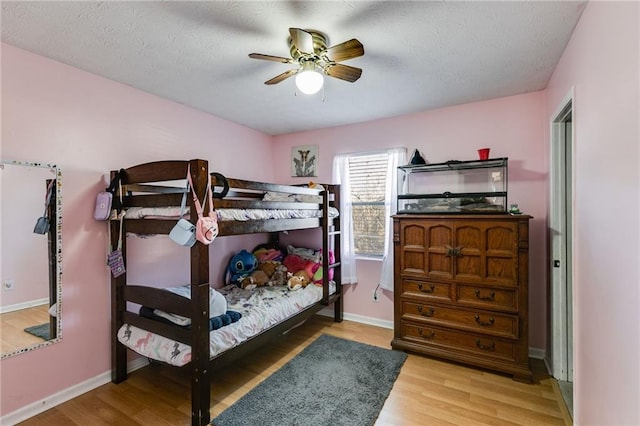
pixel 271 58
pixel 343 51
pixel 302 40
pixel 343 72
pixel 280 77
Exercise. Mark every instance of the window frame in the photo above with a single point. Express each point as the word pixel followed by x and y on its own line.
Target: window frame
pixel 380 203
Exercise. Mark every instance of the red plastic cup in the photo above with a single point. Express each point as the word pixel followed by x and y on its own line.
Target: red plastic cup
pixel 483 153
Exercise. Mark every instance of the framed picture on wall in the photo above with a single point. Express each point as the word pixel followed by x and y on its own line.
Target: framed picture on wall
pixel 304 160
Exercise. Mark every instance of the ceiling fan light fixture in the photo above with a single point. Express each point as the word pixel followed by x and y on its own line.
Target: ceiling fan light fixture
pixel 308 79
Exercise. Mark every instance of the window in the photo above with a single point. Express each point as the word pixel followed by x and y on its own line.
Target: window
pixel 368 184
pixel 368 175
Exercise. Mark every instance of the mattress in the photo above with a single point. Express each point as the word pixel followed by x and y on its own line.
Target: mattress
pixel 228 214
pixel 261 308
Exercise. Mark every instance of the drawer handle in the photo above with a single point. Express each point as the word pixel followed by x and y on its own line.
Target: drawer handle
pixel 429 336
pixel 426 290
pixel 485 323
pixel 428 313
pixel 491 295
pixel 489 347
pixel 453 251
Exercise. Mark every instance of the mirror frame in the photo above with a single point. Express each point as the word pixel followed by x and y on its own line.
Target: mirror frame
pixel 57 227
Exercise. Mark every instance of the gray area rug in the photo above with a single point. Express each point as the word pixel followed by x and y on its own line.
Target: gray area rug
pixel 41 331
pixel 332 381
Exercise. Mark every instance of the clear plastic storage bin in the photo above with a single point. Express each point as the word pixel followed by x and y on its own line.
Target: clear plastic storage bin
pixel 478 186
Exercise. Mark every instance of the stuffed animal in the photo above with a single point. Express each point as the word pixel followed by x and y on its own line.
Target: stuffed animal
pixel 268 267
pixel 264 254
pixel 295 263
pixel 241 265
pixel 255 279
pixel 279 276
pixel 298 280
pixel 318 274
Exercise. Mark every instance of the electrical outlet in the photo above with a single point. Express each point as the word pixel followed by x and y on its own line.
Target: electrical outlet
pixel 9 284
pixel 375 297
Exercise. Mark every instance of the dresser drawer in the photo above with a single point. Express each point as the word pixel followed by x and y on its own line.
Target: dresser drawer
pixel 503 325
pixel 434 291
pixel 444 339
pixel 502 299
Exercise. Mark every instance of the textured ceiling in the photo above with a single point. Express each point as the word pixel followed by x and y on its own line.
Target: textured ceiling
pixel 419 55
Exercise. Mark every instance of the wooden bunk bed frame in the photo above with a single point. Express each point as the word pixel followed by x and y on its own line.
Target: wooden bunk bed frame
pixel 242 195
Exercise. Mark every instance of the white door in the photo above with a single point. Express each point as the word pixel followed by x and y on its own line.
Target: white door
pixel 560 228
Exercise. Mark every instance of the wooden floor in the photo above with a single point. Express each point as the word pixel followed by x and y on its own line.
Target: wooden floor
pixel 12 325
pixel 427 392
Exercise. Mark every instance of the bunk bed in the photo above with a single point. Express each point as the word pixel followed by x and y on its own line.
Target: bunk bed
pixel 145 186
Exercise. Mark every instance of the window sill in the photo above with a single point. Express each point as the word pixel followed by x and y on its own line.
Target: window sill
pixel 374 259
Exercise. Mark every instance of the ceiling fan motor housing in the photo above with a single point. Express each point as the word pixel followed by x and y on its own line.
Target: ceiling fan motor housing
pixel 320 43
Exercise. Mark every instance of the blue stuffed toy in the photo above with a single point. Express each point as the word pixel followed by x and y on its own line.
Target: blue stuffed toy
pixel 241 265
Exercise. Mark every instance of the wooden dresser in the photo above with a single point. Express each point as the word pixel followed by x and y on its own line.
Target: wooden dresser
pixel 461 289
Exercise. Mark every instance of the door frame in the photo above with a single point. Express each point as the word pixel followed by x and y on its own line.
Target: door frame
pixel 561 240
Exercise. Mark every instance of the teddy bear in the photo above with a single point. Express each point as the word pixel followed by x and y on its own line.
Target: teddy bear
pixel 268 267
pixel 256 279
pixel 298 280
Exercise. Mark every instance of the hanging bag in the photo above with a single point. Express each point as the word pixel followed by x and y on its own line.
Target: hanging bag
pixel 115 260
pixel 206 226
pixel 184 232
pixel 104 199
pixel 42 224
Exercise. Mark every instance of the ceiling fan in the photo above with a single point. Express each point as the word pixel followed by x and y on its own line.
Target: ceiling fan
pixel 309 51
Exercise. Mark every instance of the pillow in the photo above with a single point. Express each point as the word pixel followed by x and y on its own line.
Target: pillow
pixel 217 305
pixel 305 253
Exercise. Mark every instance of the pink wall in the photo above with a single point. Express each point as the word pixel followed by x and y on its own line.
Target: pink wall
pixel 601 63
pixel 512 127
pixel 88 126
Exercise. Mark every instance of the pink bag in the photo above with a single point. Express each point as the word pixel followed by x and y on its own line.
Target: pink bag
pixel 102 210
pixel 105 204
pixel 206 226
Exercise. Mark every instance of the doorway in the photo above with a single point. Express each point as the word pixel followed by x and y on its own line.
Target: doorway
pixel 561 239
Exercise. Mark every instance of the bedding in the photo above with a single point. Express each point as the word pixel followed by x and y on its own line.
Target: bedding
pixel 260 309
pixel 228 214
pixel 302 198
pixel 257 214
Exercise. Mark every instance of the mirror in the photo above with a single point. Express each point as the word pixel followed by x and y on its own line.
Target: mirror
pixel 30 256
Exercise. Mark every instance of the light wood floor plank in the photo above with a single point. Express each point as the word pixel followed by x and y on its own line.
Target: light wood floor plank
pixel 12 325
pixel 428 391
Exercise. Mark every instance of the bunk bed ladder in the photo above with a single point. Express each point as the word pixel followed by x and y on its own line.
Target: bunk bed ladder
pixel 331 241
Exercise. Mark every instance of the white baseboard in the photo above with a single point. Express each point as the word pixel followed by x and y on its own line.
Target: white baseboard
pixel 23 305
pixel 328 312
pixel 65 395
pixel 537 353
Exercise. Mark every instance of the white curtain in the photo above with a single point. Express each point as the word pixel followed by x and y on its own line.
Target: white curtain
pixel 397 157
pixel 347 249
